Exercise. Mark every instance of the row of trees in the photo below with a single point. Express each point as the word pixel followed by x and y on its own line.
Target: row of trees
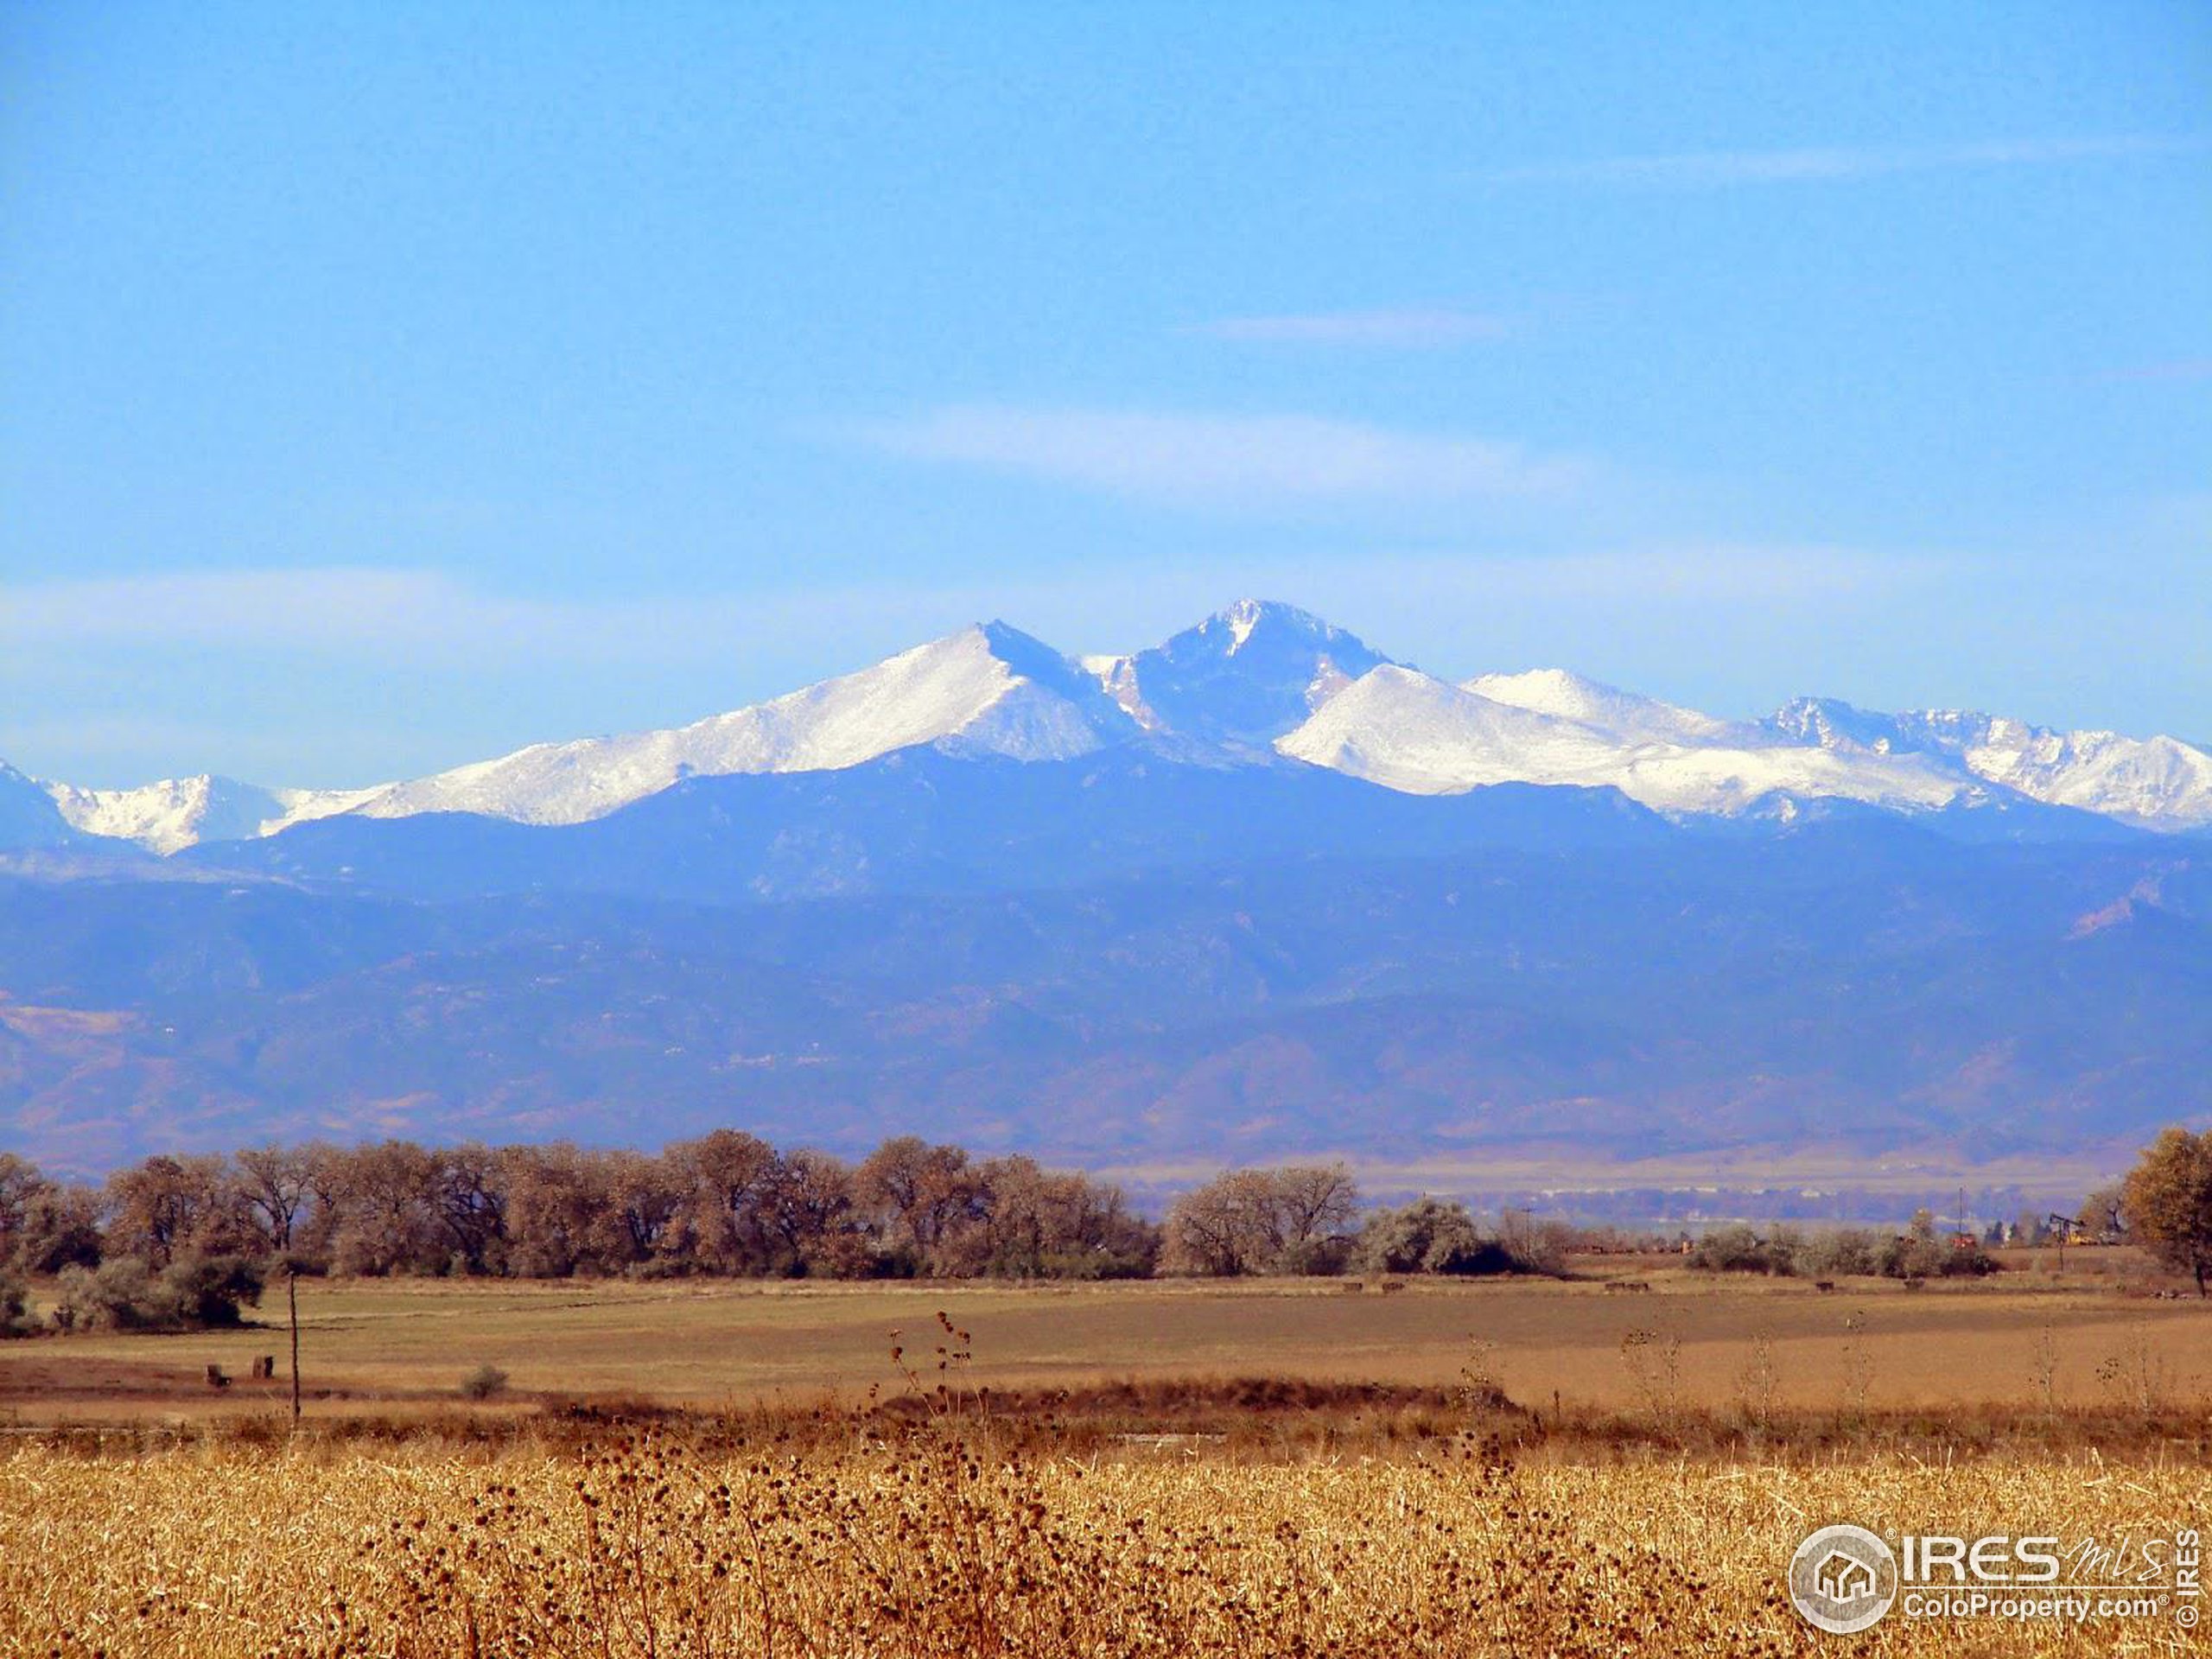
pixel 169 1233
pixel 1306 1219
pixel 2163 1206
pixel 726 1204
pixel 1916 1253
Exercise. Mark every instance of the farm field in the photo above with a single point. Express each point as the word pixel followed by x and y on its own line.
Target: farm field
pixel 1498 1467
pixel 2022 1339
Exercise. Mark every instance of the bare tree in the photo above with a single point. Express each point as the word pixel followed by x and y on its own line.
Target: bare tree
pixel 275 1185
pixel 1260 1221
pixel 471 1204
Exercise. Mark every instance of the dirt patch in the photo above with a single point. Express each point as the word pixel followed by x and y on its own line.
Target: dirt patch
pixel 67 1376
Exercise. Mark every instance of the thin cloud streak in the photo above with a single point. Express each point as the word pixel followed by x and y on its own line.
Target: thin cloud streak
pixel 418 614
pixel 1707 170
pixel 1228 459
pixel 1416 329
pixel 2198 368
pixel 420 617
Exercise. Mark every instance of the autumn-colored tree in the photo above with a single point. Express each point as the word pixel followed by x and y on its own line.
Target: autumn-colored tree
pixel 916 1193
pixel 554 1195
pixel 640 1201
pixel 1223 1228
pixel 806 1198
pixel 385 1199
pixel 471 1204
pixel 1427 1235
pixel 1261 1221
pixel 61 1227
pixel 725 1203
pixel 1311 1204
pixel 722 1178
pixel 167 1207
pixel 21 1184
pixel 2168 1199
pixel 2104 1213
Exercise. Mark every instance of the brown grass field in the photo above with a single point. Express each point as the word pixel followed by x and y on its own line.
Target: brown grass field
pixel 397 1344
pixel 1289 1467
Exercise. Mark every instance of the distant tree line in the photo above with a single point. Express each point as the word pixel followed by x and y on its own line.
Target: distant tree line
pixel 176 1241
pixel 1916 1253
pixel 2163 1206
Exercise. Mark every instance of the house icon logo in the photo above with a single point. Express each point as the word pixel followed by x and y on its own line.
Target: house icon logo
pixel 1842 1580
pixel 1844 1577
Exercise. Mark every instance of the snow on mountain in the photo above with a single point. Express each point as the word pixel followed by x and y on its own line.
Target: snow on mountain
pixel 179 812
pixel 1252 680
pixel 1244 676
pixel 2155 782
pixel 29 817
pixel 1624 714
pixel 987 689
pixel 1410 731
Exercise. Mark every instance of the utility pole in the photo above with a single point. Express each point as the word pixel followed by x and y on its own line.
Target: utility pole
pixel 292 1306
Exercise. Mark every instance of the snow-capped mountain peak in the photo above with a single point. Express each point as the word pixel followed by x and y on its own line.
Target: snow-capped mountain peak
pixel 2157 782
pixel 1414 733
pixel 987 689
pixel 174 813
pixel 1411 731
pixel 1245 676
pixel 1832 723
pixel 1570 696
pixel 1245 615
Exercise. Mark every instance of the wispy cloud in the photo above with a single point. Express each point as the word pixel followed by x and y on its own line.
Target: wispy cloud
pixel 421 617
pixel 2198 368
pixel 1779 573
pixel 1233 458
pixel 403 615
pixel 310 611
pixel 1711 168
pixel 1408 329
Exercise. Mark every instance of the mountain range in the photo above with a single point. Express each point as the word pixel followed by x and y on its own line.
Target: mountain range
pixel 1256 685
pixel 1256 891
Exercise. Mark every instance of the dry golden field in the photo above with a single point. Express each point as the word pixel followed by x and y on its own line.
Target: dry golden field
pixel 397 1344
pixel 923 1547
pixel 1504 1467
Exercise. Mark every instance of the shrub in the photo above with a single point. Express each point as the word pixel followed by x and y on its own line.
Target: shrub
pixel 193 1292
pixel 484 1382
pixel 1432 1236
pixel 1738 1249
pixel 206 1292
pixel 1840 1254
pixel 16 1318
pixel 1918 1254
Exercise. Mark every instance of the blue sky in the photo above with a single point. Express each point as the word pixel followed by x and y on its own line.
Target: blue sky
pixel 389 386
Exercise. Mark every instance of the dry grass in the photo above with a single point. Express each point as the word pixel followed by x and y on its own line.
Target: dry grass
pixel 406 1345
pixel 1111 1475
pixel 932 1545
